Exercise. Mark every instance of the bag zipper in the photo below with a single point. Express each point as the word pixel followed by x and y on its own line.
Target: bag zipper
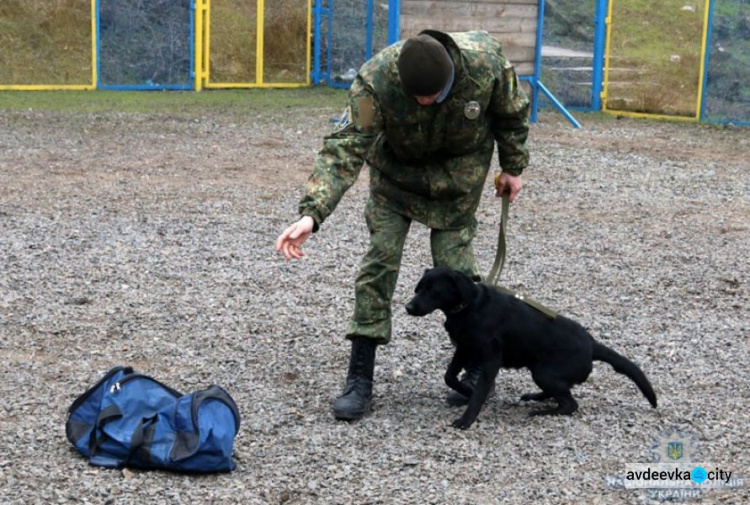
pixel 115 388
pixel 112 372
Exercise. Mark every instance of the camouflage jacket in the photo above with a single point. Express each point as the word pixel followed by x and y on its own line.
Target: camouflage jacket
pixel 427 162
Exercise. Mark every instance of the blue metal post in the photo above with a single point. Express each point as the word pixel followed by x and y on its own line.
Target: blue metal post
pixel 192 45
pixel 329 49
pixel 558 105
pixel 534 81
pixel 98 48
pixel 369 30
pixel 394 21
pixel 317 40
pixel 600 37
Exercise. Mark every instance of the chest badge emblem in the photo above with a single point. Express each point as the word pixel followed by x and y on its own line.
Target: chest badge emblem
pixel 472 110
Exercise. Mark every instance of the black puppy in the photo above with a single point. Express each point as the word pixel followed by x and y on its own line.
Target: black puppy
pixel 497 330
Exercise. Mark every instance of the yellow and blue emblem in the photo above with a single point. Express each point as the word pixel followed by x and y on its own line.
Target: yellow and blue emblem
pixel 675 450
pixel 345 119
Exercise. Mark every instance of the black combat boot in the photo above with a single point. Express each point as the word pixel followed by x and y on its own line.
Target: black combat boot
pixel 357 395
pixel 469 379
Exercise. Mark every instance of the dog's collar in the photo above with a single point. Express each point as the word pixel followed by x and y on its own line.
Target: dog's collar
pixel 458 308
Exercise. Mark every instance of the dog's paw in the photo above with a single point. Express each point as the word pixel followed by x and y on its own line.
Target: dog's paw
pixel 462 424
pixel 534 397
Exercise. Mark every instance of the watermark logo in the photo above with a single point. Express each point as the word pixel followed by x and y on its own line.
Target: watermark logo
pixel 675 450
pixel 675 446
pixel 699 475
pixel 680 476
pixel 676 471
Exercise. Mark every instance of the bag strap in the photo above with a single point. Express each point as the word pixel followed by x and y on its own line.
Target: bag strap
pixel 215 393
pixel 106 415
pixel 96 440
pixel 186 442
pixel 137 439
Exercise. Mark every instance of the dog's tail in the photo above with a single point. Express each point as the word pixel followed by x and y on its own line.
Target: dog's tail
pixel 624 366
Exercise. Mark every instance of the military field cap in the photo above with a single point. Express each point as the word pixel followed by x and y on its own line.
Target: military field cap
pixel 424 66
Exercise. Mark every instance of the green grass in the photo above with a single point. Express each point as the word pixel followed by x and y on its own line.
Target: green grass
pixel 233 41
pixel 174 102
pixel 285 41
pixel 664 42
pixel 49 41
pixel 728 8
pixel 45 42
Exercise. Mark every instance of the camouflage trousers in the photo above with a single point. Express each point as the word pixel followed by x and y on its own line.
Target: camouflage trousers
pixel 379 268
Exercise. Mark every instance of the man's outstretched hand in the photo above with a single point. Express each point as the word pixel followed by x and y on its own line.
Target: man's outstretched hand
pixel 290 242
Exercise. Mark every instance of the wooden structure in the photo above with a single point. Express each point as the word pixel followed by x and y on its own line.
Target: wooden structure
pixel 512 22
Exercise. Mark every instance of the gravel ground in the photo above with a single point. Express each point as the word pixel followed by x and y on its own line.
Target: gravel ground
pixel 147 240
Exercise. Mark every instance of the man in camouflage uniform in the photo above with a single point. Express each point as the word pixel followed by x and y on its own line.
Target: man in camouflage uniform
pixel 425 114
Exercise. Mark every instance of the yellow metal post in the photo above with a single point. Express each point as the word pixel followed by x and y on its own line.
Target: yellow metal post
pixel 308 35
pixel 259 42
pixel 704 44
pixel 94 34
pixel 607 49
pixel 198 46
pixel 202 27
pixel 206 70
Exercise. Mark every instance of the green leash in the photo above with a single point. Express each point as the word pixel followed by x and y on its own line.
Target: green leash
pixel 499 263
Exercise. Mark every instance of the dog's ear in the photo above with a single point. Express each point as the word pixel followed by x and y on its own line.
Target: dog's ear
pixel 464 285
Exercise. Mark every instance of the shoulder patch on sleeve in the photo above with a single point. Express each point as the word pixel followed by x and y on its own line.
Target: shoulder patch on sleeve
pixel 365 112
pixel 511 81
pixel 345 119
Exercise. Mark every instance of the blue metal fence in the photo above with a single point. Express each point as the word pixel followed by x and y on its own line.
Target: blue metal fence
pixel 726 81
pixel 145 45
pixel 150 44
pixel 345 36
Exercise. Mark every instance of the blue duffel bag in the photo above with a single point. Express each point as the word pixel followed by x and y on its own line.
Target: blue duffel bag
pixel 132 420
